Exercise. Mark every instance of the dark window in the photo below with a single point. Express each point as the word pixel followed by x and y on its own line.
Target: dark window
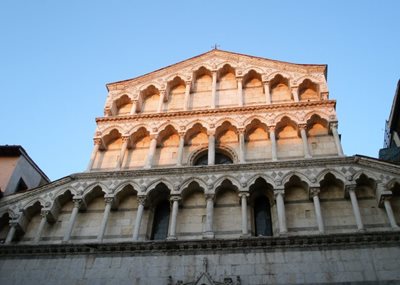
pixel 219 159
pixel 161 220
pixel 262 217
pixel 21 185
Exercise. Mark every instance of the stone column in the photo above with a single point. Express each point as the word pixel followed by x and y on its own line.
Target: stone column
pixel 152 151
pixel 211 148
pixel 161 102
pixel 180 149
pixel 273 143
pixel 172 222
pixel 314 191
pixel 139 214
pixel 97 144
pixel 209 216
pixel 11 232
pixel 295 92
pixel 280 207
pixel 356 210
pixel 72 219
pixel 243 196
pixel 333 126
pixel 303 133
pixel 267 93
pixel 242 147
pixel 389 212
pixel 125 141
pixel 240 90
pixel 43 214
pixel 103 226
pixel 214 89
pixel 187 96
pixel 134 106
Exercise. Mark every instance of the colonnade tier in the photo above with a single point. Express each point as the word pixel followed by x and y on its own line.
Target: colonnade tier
pixel 276 195
pixel 262 89
pixel 314 127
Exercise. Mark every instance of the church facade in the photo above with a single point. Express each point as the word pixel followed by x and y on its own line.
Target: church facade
pixel 221 169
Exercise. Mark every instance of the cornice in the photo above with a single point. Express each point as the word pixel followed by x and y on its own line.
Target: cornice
pixel 263 244
pixel 236 110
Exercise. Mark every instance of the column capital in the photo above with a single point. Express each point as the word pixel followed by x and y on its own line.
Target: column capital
pixel 279 192
pixel 181 134
pixel 44 213
pixel 350 187
pixel 153 136
pixel 98 141
pixel 77 202
pixel 188 82
pixel 211 132
pixel 314 191
pixel 302 126
pixel 271 128
pixel 175 197
pixel 109 200
pixel 241 130
pixel 209 196
pixel 125 138
pixel 14 223
pixel 141 200
pixel 333 124
pixel 244 194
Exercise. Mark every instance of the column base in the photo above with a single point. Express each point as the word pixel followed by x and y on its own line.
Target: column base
pixel 245 235
pixel 171 238
pixel 208 235
pixel 283 234
pixel 361 230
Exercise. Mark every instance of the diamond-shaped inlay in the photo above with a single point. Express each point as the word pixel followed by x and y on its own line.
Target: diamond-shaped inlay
pixel 352 170
pixel 273 174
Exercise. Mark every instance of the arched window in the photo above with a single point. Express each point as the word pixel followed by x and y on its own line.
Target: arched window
pixel 262 217
pixel 161 221
pixel 220 158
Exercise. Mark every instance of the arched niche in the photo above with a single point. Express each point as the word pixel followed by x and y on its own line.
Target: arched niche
pixel 196 138
pixel 308 91
pixel 395 201
pixel 257 143
pixel 108 155
pixel 150 98
pixel 159 212
pixel 320 140
pixel 191 218
pixel 167 147
pixel 4 227
pixel 123 105
pixel 32 220
pixel 138 148
pixel 253 89
pixel 201 95
pixel 280 89
pixel 227 205
pixel 227 134
pixel 262 212
pixel 176 95
pixel 226 87
pixel 289 143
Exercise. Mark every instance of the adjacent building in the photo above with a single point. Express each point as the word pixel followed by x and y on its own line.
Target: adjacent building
pixel 221 169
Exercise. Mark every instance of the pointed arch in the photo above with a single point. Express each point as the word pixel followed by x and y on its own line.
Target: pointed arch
pixel 229 178
pixel 338 175
pixel 301 176
pixel 309 91
pixel 202 184
pixel 33 201
pixel 124 184
pixel 253 88
pixel 153 184
pixel 266 178
pixel 175 94
pixel 149 99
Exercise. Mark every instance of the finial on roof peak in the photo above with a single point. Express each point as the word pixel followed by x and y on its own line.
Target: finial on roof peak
pixel 215 46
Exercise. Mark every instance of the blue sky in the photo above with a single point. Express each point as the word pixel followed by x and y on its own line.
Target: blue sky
pixel 57 56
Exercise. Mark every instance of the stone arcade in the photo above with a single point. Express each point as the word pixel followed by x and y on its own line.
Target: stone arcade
pixel 221 169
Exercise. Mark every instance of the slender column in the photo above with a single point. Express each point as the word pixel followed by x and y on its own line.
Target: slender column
pixel 97 144
pixel 267 93
pixel 103 226
pixel 295 92
pixel 242 151
pixel 11 232
pixel 139 215
pixel 72 219
pixel 389 212
pixel 125 141
pixel 214 89
pixel 209 216
pixel 356 210
pixel 161 102
pixel 303 134
pixel 240 90
pixel 273 143
pixel 174 214
pixel 243 196
pixel 338 144
pixel 152 151
pixel 180 149
pixel 280 207
pixel 187 96
pixel 211 148
pixel 134 106
pixel 314 191
pixel 43 214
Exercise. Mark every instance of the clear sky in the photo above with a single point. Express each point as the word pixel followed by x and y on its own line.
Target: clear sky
pixel 57 56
